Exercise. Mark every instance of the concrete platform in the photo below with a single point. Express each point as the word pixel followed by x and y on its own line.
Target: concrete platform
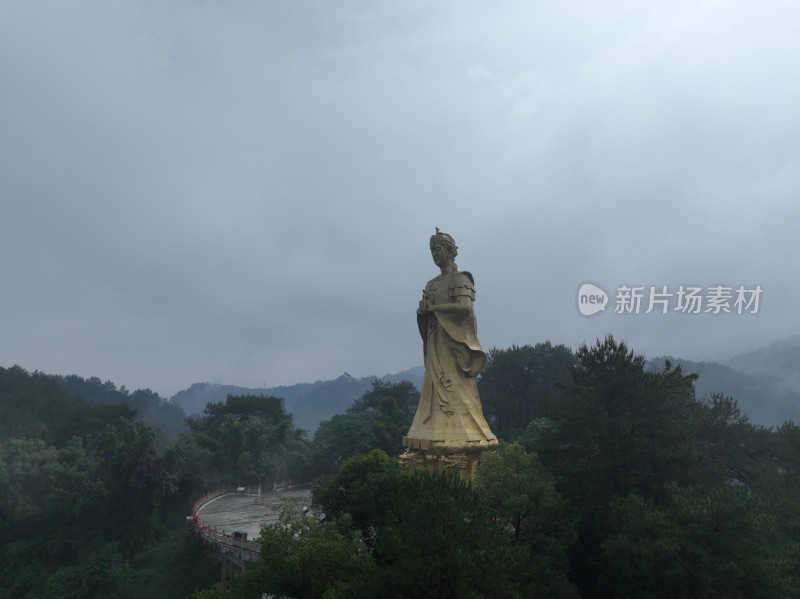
pixel 248 512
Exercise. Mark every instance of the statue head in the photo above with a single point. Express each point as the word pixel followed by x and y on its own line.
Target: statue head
pixel 447 242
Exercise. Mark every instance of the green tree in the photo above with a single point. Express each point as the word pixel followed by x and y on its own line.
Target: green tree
pixel 518 381
pixel 33 405
pixel 135 481
pixel 343 437
pixel 84 494
pixel 404 393
pixel 441 542
pixel 305 559
pixel 730 448
pixel 248 439
pixel 431 535
pixel 703 542
pixel 522 495
pixel 308 559
pixel 28 472
pixel 72 516
pixel 166 417
pixel 364 490
pixel 392 406
pixel 617 429
pixel 519 490
pixel 377 420
pixel 103 574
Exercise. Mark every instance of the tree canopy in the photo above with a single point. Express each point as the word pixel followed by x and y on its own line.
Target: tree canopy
pixel 519 381
pixel 612 479
pixel 376 420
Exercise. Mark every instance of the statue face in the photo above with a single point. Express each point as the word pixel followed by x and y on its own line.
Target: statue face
pixel 440 255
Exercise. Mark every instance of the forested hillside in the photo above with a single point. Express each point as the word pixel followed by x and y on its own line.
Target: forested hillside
pixel 765 400
pixel 167 418
pixel 765 383
pixel 615 477
pixel 82 488
pixel 91 507
pixel 309 403
pixel 620 482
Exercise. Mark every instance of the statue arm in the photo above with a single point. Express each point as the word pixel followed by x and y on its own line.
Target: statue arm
pixel 461 305
pixel 461 296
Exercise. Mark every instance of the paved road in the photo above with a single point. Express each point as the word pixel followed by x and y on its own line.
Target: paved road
pixel 248 512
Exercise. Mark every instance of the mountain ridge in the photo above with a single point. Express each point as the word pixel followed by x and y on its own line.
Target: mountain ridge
pixel 309 403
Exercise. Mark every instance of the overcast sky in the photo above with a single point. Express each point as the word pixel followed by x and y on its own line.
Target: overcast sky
pixel 243 192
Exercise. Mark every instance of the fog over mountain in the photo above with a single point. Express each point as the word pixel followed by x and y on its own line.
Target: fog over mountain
pixel 763 382
pixel 309 403
pixel 761 398
pixel 779 363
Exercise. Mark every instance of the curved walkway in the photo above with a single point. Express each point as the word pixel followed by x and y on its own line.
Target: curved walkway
pixel 243 512
pixel 231 520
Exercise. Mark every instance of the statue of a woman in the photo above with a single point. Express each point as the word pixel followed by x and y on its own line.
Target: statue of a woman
pixel 449 417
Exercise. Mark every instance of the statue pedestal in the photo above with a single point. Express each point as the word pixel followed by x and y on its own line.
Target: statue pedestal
pixel 461 458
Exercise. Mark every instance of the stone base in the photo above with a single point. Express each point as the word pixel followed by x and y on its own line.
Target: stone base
pixel 461 458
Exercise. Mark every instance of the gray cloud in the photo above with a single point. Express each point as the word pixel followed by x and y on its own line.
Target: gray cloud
pixel 244 193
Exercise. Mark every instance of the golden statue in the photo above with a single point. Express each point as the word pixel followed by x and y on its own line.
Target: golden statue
pixel 449 431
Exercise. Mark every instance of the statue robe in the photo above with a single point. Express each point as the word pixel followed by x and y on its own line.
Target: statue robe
pixel 449 411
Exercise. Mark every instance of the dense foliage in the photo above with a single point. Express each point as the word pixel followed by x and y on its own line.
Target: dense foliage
pixel 376 420
pixel 429 536
pixel 671 496
pixel 81 488
pixel 612 480
pixel 91 506
pixel 167 418
pixel 621 484
pixel 247 439
pixel 519 381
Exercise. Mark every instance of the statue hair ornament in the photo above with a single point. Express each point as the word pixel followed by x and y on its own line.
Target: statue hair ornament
pixel 443 238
